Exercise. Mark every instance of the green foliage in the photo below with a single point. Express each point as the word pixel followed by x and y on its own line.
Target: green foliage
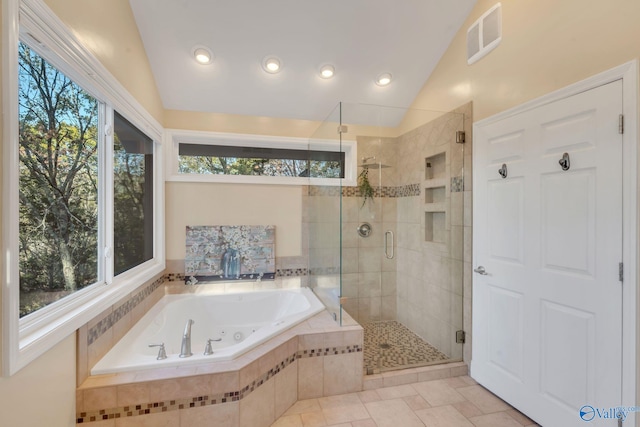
pixel 131 205
pixel 210 165
pixel 366 190
pixel 58 182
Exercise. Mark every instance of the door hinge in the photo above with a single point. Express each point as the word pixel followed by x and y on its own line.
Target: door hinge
pixel 460 137
pixel 621 272
pixel 460 336
pixel 621 124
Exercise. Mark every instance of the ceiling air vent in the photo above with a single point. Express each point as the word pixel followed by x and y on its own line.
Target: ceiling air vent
pixel 485 34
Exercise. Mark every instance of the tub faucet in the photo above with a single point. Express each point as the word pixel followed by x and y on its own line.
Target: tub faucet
pixel 185 350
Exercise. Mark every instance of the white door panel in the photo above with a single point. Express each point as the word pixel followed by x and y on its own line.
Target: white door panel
pixel 547 314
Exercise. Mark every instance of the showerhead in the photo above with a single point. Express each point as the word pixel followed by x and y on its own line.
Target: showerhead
pixel 375 165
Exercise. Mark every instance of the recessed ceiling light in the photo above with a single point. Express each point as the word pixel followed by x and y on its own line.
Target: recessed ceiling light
pixel 383 79
pixel 327 71
pixel 271 64
pixel 202 55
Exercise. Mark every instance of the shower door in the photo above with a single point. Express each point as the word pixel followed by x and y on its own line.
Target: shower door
pixel 403 236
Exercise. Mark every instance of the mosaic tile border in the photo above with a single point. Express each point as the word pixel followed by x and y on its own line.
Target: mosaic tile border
pixel 329 351
pixel 206 400
pixel 292 272
pixel 457 184
pixel 408 190
pixel 107 323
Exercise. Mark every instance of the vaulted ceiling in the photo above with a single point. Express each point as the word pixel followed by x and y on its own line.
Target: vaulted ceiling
pixel 360 38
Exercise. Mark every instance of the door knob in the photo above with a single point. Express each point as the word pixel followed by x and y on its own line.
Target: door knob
pixel 481 270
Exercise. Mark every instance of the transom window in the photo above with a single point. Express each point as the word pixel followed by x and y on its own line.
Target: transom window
pixel 257 161
pixel 220 157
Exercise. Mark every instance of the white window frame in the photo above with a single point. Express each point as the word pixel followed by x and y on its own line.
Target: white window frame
pixel 23 340
pixel 175 137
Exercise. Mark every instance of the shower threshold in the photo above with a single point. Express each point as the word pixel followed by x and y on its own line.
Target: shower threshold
pixel 389 345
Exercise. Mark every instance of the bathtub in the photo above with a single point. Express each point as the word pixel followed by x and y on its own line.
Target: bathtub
pixel 240 321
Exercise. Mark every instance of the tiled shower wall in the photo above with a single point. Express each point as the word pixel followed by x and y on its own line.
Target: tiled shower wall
pixel 369 278
pixel 430 233
pixel 427 286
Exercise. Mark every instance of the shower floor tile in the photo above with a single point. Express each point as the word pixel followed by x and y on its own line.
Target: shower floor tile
pixel 390 345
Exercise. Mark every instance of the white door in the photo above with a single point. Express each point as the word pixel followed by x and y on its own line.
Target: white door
pixel 547 312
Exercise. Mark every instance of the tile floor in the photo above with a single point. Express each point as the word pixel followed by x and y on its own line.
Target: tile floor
pixel 390 345
pixel 450 402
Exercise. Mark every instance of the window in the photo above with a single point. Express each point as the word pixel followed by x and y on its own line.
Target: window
pixel 232 160
pixel 58 155
pixel 82 196
pixel 219 157
pixel 132 196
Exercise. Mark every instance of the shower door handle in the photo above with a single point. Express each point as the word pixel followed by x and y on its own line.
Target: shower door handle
pixel 386 244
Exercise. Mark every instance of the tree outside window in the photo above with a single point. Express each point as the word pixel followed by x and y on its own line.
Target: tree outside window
pixel 58 230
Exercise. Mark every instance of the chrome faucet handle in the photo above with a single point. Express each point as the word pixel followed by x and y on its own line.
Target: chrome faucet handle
pixel 162 354
pixel 208 350
pixel 185 348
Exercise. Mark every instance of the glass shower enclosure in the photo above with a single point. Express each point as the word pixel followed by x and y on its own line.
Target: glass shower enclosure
pixel 387 247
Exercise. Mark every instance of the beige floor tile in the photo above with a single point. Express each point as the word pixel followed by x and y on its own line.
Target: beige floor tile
pixel 486 401
pixel 345 413
pixel 416 402
pixel 443 416
pixel 498 419
pixel 288 421
pixel 313 419
pixel 520 417
pixel 456 382
pixel 467 379
pixel 341 425
pixel 308 405
pixel 339 400
pixel 396 392
pixel 393 413
pixel 369 396
pixel 438 393
pixel 467 409
pixel 364 423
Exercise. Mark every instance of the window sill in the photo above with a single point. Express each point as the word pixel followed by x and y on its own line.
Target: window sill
pixel 38 333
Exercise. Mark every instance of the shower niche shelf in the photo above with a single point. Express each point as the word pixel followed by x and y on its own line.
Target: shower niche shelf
pixel 434 226
pixel 435 198
pixel 435 167
pixel 435 194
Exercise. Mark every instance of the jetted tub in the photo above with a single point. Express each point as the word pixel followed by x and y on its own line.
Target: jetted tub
pixel 242 321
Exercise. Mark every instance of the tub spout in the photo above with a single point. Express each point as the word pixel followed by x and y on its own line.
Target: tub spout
pixel 185 349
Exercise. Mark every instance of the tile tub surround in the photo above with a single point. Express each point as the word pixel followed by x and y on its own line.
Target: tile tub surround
pixel 313 359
